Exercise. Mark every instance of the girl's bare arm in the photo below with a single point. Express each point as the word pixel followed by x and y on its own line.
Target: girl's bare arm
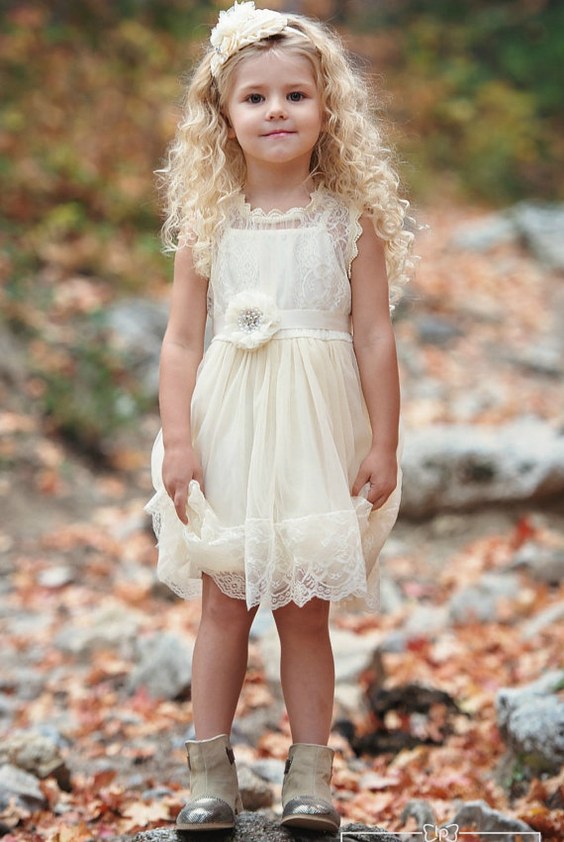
pixel 181 352
pixel 375 350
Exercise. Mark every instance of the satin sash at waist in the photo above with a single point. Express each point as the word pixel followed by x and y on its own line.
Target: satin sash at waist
pixel 302 319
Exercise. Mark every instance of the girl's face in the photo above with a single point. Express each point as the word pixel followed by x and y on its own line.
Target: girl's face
pixel 274 109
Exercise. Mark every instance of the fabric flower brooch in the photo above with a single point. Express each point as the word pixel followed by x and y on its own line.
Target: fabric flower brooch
pixel 239 26
pixel 251 319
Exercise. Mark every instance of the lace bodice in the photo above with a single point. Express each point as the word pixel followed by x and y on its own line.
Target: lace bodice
pixel 301 257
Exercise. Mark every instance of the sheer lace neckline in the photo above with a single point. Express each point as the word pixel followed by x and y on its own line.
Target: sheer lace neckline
pixel 275 213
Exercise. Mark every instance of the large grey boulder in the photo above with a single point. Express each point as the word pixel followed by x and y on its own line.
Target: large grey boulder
pixel 538 225
pixel 544 564
pixel 482 817
pixel 37 754
pixel 531 722
pixel 255 792
pixel 486 233
pixel 552 614
pixel 484 600
pixel 112 625
pixel 461 467
pixel 137 326
pixel 165 666
pixel 20 786
pixel 254 827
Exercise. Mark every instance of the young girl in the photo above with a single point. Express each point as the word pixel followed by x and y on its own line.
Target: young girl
pixel 276 471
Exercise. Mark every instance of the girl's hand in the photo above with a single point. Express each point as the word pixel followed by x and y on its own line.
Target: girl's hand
pixel 380 470
pixel 180 467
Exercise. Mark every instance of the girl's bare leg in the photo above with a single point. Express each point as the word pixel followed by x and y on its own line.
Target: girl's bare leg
pixel 307 669
pixel 220 660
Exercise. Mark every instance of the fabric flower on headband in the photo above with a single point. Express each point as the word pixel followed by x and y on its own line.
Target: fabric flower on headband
pixel 239 26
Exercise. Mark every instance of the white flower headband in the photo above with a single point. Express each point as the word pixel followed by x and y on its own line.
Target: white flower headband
pixel 240 26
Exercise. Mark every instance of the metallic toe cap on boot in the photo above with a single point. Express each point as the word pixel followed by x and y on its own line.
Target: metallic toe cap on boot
pixel 206 813
pixel 310 812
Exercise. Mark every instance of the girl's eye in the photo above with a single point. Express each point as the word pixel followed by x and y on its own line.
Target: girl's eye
pixel 254 98
pixel 295 96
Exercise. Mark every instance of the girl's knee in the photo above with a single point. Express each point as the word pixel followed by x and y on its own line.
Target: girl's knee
pixel 218 608
pixel 312 618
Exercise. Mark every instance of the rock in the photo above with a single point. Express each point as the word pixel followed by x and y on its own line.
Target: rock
pixel 254 827
pixel 255 792
pixel 420 810
pixel 249 728
pixel 36 754
pixel 482 602
pixel 349 698
pixel 547 617
pixel 13 356
pixel 481 817
pixel 487 233
pixel 426 621
pixel 262 623
pixel 460 467
pixel 269 769
pixel 391 599
pixel 112 625
pixel 137 327
pixel 535 732
pixel 434 330
pixel 56 577
pixel 544 564
pixel 541 226
pixel 531 722
pixel 15 783
pixel 509 699
pixel 395 641
pixel 155 793
pixel 353 653
pixel 165 667
pixel 544 358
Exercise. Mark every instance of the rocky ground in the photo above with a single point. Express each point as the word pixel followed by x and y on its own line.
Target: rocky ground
pixel 449 702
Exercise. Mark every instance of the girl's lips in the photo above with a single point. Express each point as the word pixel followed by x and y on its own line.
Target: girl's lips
pixel 278 133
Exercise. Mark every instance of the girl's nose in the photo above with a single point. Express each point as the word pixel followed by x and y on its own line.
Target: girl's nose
pixel 276 109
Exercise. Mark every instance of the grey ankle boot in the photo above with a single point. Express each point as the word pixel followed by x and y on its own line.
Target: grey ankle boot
pixel 306 791
pixel 214 790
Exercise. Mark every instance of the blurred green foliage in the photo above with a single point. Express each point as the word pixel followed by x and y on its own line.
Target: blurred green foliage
pixel 89 102
pixel 88 392
pixel 479 86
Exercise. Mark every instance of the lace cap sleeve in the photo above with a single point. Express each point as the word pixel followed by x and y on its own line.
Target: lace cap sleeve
pixel 355 230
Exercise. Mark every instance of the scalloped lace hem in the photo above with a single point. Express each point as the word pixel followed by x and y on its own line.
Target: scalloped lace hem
pixel 332 556
pixel 234 586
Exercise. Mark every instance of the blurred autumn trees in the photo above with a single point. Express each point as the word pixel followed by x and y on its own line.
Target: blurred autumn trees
pixel 481 90
pixel 89 103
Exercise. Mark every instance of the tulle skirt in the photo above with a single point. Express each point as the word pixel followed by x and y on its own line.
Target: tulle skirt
pixel 281 432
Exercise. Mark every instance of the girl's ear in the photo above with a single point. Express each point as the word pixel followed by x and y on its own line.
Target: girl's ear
pixel 230 130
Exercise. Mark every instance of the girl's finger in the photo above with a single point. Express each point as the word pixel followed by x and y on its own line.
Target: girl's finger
pixel 179 501
pixel 378 497
pixel 199 477
pixel 360 481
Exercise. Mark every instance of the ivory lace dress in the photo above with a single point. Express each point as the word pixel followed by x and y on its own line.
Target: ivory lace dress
pixel 278 420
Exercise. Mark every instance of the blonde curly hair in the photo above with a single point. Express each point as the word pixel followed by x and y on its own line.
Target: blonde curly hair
pixel 204 169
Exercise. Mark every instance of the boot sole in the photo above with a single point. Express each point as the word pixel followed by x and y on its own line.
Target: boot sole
pixel 206 826
pixel 310 823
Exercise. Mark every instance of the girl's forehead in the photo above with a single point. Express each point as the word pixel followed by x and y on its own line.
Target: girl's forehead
pixel 274 64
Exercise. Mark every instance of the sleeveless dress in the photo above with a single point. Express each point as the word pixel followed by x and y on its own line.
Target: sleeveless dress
pixel 278 421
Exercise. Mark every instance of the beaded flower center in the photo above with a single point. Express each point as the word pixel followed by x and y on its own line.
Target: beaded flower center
pixel 250 319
